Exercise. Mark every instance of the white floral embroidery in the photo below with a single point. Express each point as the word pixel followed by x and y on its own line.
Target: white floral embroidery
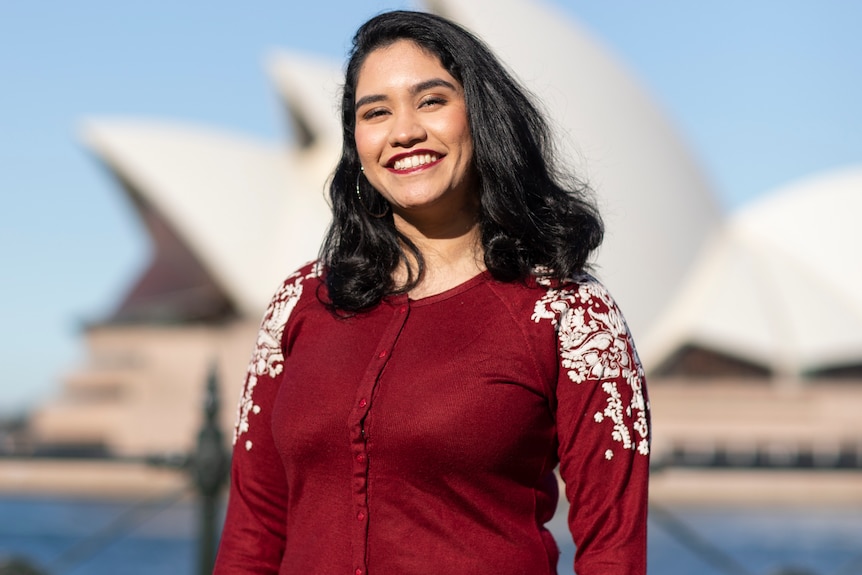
pixel 267 358
pixel 595 346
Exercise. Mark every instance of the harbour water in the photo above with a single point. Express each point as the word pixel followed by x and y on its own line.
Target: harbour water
pixel 75 537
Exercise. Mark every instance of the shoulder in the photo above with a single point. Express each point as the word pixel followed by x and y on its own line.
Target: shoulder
pixel 596 351
pixel 291 290
pixel 267 358
pixel 582 295
pixel 594 339
pixel 294 283
pixel 547 301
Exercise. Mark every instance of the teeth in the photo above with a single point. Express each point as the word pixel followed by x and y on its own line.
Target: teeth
pixel 415 161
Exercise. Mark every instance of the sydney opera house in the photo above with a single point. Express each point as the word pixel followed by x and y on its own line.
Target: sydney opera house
pixel 750 324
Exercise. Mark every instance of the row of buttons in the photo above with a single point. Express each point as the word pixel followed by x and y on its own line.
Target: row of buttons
pixel 361 458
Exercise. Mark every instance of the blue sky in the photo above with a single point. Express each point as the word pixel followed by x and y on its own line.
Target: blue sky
pixel 765 93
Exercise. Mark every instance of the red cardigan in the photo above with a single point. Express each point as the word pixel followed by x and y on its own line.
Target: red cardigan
pixel 421 437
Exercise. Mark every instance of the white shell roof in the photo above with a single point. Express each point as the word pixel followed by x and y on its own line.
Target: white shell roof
pixel 244 208
pixel 657 205
pixel 252 212
pixel 311 89
pixel 779 284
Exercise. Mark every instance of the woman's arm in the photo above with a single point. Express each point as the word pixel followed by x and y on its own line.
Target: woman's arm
pixel 253 538
pixel 602 413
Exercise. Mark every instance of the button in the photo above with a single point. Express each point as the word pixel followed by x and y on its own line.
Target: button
pixel 403 309
pixel 360 516
pixel 381 355
pixel 358 571
pixel 363 402
pixel 360 458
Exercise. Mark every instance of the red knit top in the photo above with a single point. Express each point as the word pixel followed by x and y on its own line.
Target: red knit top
pixel 421 437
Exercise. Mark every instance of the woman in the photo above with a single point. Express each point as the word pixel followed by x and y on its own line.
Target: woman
pixel 413 391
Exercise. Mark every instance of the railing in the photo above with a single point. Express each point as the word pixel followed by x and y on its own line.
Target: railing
pixel 207 470
pixel 762 456
pixel 766 456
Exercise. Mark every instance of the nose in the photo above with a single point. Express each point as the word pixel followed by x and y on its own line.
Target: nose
pixel 407 130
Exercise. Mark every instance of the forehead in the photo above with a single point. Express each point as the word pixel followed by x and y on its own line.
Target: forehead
pixel 399 65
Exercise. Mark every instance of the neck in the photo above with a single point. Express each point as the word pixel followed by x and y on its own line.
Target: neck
pixel 452 252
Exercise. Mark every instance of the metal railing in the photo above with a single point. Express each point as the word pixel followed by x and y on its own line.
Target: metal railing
pixel 206 467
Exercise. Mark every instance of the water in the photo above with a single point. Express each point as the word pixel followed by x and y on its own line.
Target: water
pixel 150 541
pixel 57 535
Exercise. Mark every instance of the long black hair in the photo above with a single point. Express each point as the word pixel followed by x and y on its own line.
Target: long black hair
pixel 533 217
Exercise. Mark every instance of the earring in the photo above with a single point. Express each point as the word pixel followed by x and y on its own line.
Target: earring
pixel 362 203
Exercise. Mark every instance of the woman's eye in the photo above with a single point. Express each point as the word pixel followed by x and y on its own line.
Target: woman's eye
pixel 432 101
pixel 374 113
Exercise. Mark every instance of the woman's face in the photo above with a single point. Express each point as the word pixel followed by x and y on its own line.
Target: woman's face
pixel 412 133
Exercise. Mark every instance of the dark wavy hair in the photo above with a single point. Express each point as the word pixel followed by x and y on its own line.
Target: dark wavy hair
pixel 533 217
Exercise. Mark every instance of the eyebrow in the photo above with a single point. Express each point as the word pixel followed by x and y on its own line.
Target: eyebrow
pixel 415 89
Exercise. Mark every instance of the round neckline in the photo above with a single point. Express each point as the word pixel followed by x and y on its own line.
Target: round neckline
pixel 448 293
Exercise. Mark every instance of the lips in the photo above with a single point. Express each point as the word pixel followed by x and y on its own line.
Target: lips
pixel 413 161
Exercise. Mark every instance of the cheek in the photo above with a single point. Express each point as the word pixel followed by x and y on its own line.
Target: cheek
pixel 368 143
pixel 457 131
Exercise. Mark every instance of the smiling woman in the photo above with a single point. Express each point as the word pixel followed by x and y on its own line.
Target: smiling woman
pixel 413 139
pixel 412 392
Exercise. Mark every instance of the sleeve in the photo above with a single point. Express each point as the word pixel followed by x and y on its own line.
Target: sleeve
pixel 603 428
pixel 253 537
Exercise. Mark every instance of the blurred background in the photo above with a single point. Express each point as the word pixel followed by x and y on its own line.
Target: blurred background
pixel 163 167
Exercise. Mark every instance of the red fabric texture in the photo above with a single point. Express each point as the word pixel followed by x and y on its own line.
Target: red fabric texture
pixel 421 437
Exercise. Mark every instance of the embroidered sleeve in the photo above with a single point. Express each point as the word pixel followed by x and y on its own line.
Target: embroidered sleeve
pixel 253 537
pixel 602 427
pixel 266 360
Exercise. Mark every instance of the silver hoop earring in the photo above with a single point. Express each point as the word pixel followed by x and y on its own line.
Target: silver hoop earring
pixel 362 203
